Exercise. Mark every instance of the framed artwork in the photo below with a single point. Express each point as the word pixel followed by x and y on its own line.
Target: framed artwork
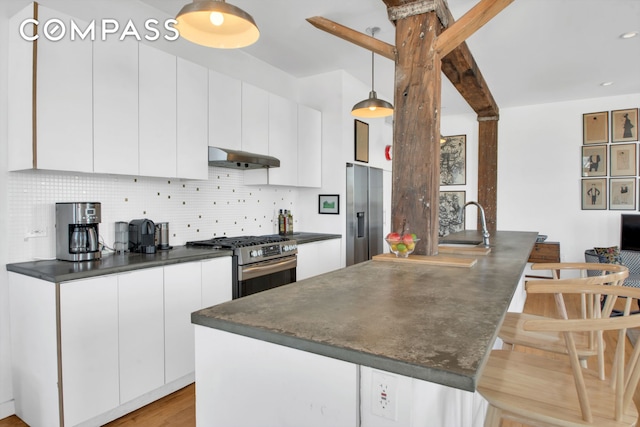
pixel 622 194
pixel 361 138
pixel 624 125
pixel 329 204
pixel 453 159
pixel 595 128
pixel 451 205
pixel 594 194
pixel 594 160
pixel 623 160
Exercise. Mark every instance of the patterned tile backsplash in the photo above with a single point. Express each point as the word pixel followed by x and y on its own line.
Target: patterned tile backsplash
pixel 195 210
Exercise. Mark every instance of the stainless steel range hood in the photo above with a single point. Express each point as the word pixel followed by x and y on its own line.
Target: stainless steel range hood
pixel 225 158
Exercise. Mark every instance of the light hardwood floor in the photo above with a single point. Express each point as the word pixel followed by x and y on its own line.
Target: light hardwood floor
pixel 178 409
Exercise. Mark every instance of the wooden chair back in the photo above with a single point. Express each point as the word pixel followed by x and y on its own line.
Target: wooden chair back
pixel 624 378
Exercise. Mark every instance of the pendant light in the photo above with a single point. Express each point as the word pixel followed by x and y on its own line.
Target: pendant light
pixel 372 107
pixel 214 23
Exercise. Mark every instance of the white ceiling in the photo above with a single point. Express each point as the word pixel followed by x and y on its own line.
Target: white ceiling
pixel 533 52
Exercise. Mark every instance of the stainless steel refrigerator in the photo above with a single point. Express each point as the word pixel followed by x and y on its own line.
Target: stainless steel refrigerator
pixel 364 213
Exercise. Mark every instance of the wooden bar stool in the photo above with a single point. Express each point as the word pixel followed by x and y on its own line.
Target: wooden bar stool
pixel 512 331
pixel 538 390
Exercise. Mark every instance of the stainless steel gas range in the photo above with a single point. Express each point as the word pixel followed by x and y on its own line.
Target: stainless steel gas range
pixel 259 262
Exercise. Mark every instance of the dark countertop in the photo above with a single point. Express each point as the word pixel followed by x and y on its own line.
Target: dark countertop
pixel 62 271
pixel 304 237
pixel 428 322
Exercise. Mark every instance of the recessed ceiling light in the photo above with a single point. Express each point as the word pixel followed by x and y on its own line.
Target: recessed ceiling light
pixel 629 35
pixel 606 83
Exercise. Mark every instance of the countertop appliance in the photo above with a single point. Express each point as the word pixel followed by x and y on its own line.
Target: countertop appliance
pixel 259 262
pixel 77 231
pixel 141 236
pixel 161 239
pixel 364 235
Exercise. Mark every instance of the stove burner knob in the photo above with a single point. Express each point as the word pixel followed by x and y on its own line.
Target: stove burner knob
pixel 253 253
pixel 259 252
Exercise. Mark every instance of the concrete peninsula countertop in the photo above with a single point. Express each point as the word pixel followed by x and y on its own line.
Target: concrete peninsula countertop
pixel 428 322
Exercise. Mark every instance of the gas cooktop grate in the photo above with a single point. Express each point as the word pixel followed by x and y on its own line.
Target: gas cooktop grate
pixel 238 242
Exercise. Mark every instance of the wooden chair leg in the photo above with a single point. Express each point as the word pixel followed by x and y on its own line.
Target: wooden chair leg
pixel 493 418
pixel 507 346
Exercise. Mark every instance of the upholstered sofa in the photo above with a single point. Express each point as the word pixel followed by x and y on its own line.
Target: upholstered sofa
pixel 630 259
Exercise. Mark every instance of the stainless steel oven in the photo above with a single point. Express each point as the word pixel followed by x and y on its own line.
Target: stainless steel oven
pixel 259 262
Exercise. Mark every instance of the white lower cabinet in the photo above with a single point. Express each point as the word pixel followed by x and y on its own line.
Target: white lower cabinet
pixel 140 332
pixel 216 281
pixel 182 296
pixel 320 257
pixel 89 347
pixel 125 340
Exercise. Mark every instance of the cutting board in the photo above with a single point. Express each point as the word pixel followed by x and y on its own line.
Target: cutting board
pixel 442 260
pixel 463 250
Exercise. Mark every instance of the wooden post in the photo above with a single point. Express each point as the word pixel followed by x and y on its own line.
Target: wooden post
pixel 416 133
pixel 487 169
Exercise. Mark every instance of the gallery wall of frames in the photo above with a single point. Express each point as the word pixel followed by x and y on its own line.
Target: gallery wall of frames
pixel 610 160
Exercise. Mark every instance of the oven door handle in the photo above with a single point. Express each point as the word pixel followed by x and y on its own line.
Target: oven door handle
pixel 267 267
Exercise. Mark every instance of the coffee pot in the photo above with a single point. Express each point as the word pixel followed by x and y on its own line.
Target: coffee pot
pixel 77 236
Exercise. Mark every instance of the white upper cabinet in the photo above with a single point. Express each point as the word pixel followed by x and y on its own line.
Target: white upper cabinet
pixel 157 112
pixel 192 120
pixel 255 119
pixel 63 118
pixel 115 106
pixel 309 147
pixel 225 111
pixel 283 140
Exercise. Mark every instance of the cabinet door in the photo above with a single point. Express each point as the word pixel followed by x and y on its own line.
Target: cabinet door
pixel 192 120
pixel 283 141
pixel 225 111
pixel 64 104
pixel 182 296
pixel 309 147
pixel 216 281
pixel 157 113
pixel 255 119
pixel 115 106
pixel 141 332
pixel 89 347
pixel 318 257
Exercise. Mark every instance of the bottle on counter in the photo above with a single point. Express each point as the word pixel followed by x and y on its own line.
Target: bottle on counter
pixel 286 222
pixel 281 223
pixel 290 222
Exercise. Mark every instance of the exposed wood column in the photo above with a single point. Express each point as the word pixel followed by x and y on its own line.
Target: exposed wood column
pixel 416 132
pixel 488 169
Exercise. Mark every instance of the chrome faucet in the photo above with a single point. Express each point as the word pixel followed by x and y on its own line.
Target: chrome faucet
pixel 483 220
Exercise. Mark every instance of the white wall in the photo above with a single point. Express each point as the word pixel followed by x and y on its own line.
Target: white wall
pixel 6 391
pixel 539 172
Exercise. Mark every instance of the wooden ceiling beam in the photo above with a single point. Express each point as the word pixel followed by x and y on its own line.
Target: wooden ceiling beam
pixel 363 40
pixel 468 24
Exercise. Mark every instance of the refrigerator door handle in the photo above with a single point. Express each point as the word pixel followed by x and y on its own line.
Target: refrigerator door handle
pixel 360 232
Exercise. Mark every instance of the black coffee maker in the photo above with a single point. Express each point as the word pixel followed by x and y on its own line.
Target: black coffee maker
pixel 77 231
pixel 142 236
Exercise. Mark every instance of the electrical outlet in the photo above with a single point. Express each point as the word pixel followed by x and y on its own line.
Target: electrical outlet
pixel 384 395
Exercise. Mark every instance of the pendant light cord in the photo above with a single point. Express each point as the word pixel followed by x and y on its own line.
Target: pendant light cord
pixel 372 75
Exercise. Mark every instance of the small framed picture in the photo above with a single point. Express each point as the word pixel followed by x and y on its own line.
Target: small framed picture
pixel 623 160
pixel 361 138
pixel 594 160
pixel 453 160
pixel 594 194
pixel 451 204
pixel 595 128
pixel 329 204
pixel 624 125
pixel 622 194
